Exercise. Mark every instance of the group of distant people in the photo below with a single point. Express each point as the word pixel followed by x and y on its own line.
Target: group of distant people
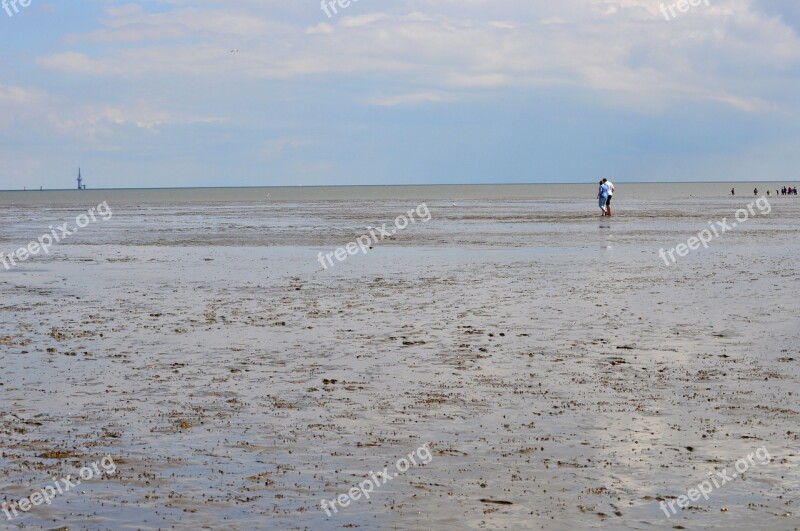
pixel 786 190
pixel 606 192
pixel 604 196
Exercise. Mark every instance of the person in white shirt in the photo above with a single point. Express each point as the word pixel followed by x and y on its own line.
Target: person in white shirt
pixel 610 186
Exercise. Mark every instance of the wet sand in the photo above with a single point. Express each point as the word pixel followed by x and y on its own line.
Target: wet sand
pixel 563 375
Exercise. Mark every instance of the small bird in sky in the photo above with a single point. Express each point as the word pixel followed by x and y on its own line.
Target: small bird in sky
pixel 235 50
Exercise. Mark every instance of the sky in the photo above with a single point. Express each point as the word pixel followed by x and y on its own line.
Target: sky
pixel 173 93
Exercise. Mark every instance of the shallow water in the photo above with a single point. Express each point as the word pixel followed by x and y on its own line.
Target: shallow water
pixel 299 195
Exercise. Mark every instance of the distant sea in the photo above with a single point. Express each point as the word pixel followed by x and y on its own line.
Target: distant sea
pixel 633 191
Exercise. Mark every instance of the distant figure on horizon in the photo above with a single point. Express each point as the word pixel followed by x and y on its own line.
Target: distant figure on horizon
pixel 767 192
pixel 610 186
pixel 733 191
pixel 755 191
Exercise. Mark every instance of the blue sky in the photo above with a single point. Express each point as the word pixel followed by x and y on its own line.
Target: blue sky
pixel 397 92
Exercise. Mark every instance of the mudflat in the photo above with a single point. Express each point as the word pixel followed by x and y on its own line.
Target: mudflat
pixel 562 374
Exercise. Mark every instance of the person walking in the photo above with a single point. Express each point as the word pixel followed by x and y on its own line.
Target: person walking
pixel 602 196
pixel 610 186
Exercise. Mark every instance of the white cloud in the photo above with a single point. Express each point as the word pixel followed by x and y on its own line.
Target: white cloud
pixel 605 45
pixel 15 95
pixel 322 27
pixel 363 20
pixel 74 63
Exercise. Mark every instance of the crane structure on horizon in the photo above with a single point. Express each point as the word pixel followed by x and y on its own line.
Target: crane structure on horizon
pixel 80 180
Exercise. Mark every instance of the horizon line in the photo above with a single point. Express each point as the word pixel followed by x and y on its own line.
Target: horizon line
pixel 366 186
